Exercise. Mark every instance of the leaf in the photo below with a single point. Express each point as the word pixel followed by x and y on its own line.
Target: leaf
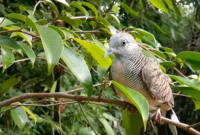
pixel 137 99
pixel 41 22
pixel 159 4
pixel 53 47
pixel 197 25
pixel 19 117
pixel 197 105
pixel 103 21
pixel 96 52
pixel 114 18
pixel 30 113
pixel 64 2
pixel 79 68
pixel 68 20
pixel 7 57
pixel 32 24
pixel 91 7
pixel 8 84
pixel 9 43
pixel 107 126
pixel 61 32
pixel 53 6
pixel 169 3
pixel 148 54
pixel 82 9
pixel 161 54
pixel 5 22
pixel 189 55
pixel 29 52
pixel 17 16
pixel 132 122
pixel 129 10
pixel 189 91
pixel 168 63
pixel 86 131
pixel 189 82
pixel 193 65
pixel 145 33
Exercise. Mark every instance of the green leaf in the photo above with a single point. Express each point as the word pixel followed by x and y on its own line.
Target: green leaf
pixel 21 8
pixel 5 22
pixel 129 10
pixel 8 84
pixel 17 16
pixel 53 6
pixel 159 4
pixel 145 33
pixel 189 91
pixel 197 105
pixel 189 55
pixel 79 68
pixel 53 47
pixel 189 82
pixel 82 9
pixel 30 113
pixel 168 63
pixel 71 32
pixel 9 43
pixel 148 54
pixel 91 7
pixel 103 21
pixel 197 25
pixel 169 3
pixel 193 65
pixel 107 126
pixel 141 3
pixel 68 20
pixel 7 56
pixel 114 18
pixel 161 54
pixel 132 122
pixel 29 52
pixel 137 99
pixel 32 24
pixel 41 22
pixel 64 2
pixel 61 32
pixel 96 52
pixel 19 117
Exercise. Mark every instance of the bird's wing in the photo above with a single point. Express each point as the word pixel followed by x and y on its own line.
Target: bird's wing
pixel 157 82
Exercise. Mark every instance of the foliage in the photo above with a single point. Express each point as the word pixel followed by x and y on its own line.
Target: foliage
pixel 48 42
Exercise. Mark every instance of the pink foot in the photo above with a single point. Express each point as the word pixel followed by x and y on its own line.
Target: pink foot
pixel 156 116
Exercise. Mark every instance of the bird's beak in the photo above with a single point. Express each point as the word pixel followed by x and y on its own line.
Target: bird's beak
pixel 109 51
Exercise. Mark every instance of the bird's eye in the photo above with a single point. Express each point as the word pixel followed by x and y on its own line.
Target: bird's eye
pixel 123 43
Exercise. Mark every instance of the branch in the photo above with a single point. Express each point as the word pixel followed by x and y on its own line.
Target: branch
pixel 28 33
pixel 161 59
pixel 82 17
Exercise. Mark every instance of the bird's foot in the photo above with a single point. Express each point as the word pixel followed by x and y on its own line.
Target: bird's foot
pixel 128 106
pixel 156 116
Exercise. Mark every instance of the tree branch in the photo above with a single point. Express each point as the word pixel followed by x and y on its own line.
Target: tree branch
pixel 84 98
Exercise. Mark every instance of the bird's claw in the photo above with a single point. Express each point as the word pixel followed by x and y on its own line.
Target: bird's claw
pixel 156 116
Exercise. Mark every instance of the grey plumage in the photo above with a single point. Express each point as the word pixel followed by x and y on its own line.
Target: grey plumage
pixel 132 68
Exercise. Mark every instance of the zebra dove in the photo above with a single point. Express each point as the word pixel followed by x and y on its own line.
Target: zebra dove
pixel 133 69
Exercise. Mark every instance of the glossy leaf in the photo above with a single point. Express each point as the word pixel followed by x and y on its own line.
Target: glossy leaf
pixel 96 52
pixel 9 43
pixel 41 22
pixel 103 21
pixel 53 47
pixel 91 7
pixel 58 30
pixel 8 84
pixel 32 24
pixel 7 57
pixel 68 20
pixel 78 66
pixel 5 22
pixel 19 117
pixel 189 82
pixel 53 6
pixel 132 122
pixel 137 99
pixel 64 2
pixel 82 9
pixel 162 55
pixel 168 63
pixel 29 52
pixel 197 105
pixel 159 4
pixel 189 55
pixel 17 16
pixel 114 18
pixel 169 3
pixel 145 33
pixel 107 126
pixel 193 65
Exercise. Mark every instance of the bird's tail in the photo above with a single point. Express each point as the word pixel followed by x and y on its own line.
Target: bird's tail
pixel 167 129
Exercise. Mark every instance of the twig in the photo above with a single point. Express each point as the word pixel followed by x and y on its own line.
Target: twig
pixel 28 33
pixel 177 94
pixel 180 125
pixel 82 17
pixel 101 91
pixel 162 59
pixel 60 121
pixel 8 110
pixel 91 31
pixel 87 119
pixel 36 6
pixel 194 125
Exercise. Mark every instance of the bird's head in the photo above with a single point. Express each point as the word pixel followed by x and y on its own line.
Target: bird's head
pixel 121 44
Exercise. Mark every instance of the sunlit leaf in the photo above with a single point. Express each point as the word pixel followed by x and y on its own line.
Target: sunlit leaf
pixel 96 52
pixel 129 10
pixel 5 22
pixel 17 16
pixel 169 3
pixel 78 66
pixel 64 2
pixel 54 6
pixel 159 4
pixel 53 47
pixel 30 113
pixel 107 126
pixel 114 18
pixel 82 9
pixel 19 117
pixel 137 99
pixel 197 105
pixel 91 7
pixel 8 84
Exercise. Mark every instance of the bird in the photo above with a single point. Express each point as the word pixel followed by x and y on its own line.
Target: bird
pixel 135 70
